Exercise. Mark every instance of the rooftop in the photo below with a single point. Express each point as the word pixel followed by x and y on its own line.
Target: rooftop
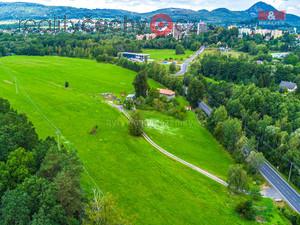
pixel 132 53
pixel 166 92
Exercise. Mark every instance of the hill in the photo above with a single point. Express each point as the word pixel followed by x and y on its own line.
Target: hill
pixel 222 16
pixel 148 185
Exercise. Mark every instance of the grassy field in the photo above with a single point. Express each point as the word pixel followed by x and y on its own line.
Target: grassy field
pixel 188 140
pixel 148 186
pixel 232 53
pixel 167 54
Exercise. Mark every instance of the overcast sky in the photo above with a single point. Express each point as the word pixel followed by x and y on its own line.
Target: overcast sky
pixel 290 6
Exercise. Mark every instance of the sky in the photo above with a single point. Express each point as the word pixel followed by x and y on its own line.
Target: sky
pixel 290 6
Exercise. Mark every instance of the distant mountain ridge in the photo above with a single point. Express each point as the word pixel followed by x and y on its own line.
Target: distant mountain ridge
pixel 21 10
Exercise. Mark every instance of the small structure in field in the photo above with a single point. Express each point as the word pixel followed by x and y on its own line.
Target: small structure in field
pixel 130 97
pixel 109 96
pixel 289 86
pixel 167 93
pixel 188 108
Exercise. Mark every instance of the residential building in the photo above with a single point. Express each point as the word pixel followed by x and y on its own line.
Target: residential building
pixel 145 36
pixel 201 28
pixel 167 93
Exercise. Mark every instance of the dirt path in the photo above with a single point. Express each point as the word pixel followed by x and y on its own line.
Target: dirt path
pixel 170 155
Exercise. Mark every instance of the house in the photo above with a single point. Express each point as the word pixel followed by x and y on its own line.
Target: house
pixel 146 37
pixel 289 86
pixel 167 93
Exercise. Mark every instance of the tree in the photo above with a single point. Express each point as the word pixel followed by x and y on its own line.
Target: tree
pixel 4 106
pixel 237 179
pixel 219 115
pixel 15 208
pixel 172 68
pixel 102 210
pixel 57 160
pixel 140 84
pixel 195 92
pixel 15 132
pixel 136 124
pixel 179 50
pixel 232 132
pixel 255 160
pixel 4 178
pixel 246 210
pixel 20 165
pixel 69 193
pixel 43 199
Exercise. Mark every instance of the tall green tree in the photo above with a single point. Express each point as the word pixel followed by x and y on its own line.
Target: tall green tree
pixel 172 68
pixel 231 133
pixel 15 208
pixel 195 92
pixel 136 124
pixel 255 160
pixel 179 50
pixel 237 179
pixel 140 84
pixel 20 165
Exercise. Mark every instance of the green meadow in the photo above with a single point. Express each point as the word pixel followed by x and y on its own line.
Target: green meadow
pixel 167 54
pixel 189 140
pixel 149 186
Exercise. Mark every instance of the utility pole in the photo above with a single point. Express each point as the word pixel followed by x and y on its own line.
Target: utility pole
pixel 290 173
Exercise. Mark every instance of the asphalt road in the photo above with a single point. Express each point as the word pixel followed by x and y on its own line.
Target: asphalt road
pixel 187 62
pixel 288 193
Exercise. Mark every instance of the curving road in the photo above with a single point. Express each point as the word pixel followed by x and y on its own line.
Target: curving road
pixel 187 62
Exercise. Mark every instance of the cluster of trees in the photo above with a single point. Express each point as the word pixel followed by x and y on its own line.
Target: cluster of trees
pixel 147 98
pixel 258 119
pixel 39 180
pixel 70 45
pixel 242 70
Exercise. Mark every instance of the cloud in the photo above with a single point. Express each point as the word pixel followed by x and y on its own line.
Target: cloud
pixel 291 6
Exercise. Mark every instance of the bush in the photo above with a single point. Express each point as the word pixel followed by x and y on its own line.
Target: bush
pixel 291 215
pixel 136 124
pixel 246 210
pixel 255 193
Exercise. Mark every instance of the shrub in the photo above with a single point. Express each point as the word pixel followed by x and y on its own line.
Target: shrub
pixel 136 124
pixel 246 210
